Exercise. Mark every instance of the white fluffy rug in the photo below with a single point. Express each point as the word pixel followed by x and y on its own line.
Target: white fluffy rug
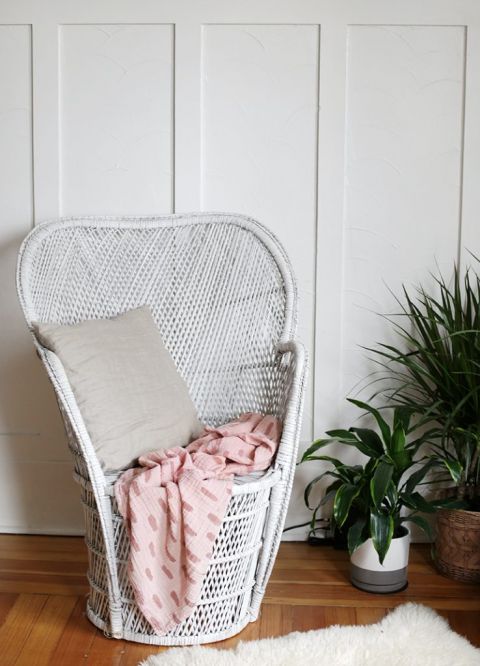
pixel 411 635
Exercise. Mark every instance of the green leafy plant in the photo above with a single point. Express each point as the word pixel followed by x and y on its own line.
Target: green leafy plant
pixel 368 498
pixel 435 373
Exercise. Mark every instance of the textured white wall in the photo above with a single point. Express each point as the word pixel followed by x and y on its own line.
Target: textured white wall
pixel 350 129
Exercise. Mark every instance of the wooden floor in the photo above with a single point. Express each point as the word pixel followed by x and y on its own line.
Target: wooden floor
pixel 43 589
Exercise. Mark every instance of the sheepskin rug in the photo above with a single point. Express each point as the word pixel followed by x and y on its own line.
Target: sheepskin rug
pixel 411 635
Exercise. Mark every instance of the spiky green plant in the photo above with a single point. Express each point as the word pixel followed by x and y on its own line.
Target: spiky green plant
pixel 435 373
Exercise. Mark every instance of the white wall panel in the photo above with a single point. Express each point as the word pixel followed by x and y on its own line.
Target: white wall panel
pixel 259 139
pixel 15 129
pixel 48 501
pixel 116 92
pixel 404 135
pixel 31 436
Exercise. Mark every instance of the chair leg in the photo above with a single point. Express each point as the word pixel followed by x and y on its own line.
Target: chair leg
pixel 270 546
pixel 115 603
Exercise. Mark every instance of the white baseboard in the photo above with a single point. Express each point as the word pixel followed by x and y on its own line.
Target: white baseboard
pixel 298 534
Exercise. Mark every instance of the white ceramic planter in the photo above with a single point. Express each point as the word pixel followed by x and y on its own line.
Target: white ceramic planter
pixel 368 574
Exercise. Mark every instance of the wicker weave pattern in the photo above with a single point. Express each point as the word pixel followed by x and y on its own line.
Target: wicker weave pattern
pixel 227 584
pixel 457 548
pixel 221 290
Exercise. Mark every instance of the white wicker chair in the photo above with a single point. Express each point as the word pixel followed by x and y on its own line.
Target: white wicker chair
pixel 222 293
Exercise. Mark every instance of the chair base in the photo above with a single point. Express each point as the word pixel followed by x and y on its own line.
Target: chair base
pixel 225 605
pixel 170 641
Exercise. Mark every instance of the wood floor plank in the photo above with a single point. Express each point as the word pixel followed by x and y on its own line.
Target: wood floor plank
pixel 317 570
pixel 19 624
pixel 275 620
pixel 306 618
pixel 75 642
pixel 35 543
pixel 341 615
pixel 310 576
pixel 369 615
pixel 135 653
pixel 427 585
pixel 42 566
pixel 6 604
pixel 43 584
pixel 106 651
pixel 464 623
pixel 58 557
pixel 309 565
pixel 46 632
pixel 346 595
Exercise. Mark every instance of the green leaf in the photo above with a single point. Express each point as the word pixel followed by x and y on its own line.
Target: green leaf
pixel 421 522
pixel 398 451
pixel 335 461
pixel 356 535
pixel 343 502
pixel 381 530
pixel 341 435
pixel 382 424
pixel 348 473
pixel 317 444
pixel 392 496
pixel 380 481
pixel 401 418
pixel 455 469
pixel 330 493
pixel 370 443
pixel 308 490
pixel 417 502
pixel 311 484
pixel 418 476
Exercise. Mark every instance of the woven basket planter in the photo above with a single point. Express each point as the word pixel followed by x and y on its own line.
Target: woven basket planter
pixel 458 544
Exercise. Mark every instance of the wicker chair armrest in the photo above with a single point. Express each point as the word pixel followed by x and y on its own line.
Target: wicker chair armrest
pixel 293 358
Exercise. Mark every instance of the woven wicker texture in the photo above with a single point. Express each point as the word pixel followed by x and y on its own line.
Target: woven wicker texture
pixel 221 290
pixel 457 547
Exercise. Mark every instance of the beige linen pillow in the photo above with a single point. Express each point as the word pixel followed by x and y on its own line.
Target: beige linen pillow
pixel 126 385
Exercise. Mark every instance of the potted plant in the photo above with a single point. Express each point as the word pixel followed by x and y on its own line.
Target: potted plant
pixel 368 499
pixel 435 373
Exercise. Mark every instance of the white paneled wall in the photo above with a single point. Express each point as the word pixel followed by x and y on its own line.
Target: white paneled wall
pixel 116 118
pixel 259 138
pixel 404 135
pixel 350 129
pixel 32 457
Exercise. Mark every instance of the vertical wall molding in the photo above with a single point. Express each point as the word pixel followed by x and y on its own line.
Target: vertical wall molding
pixel 45 87
pixel 470 209
pixel 329 236
pixel 188 116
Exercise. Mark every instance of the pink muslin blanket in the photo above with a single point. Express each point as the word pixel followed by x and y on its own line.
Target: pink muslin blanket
pixel 174 505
